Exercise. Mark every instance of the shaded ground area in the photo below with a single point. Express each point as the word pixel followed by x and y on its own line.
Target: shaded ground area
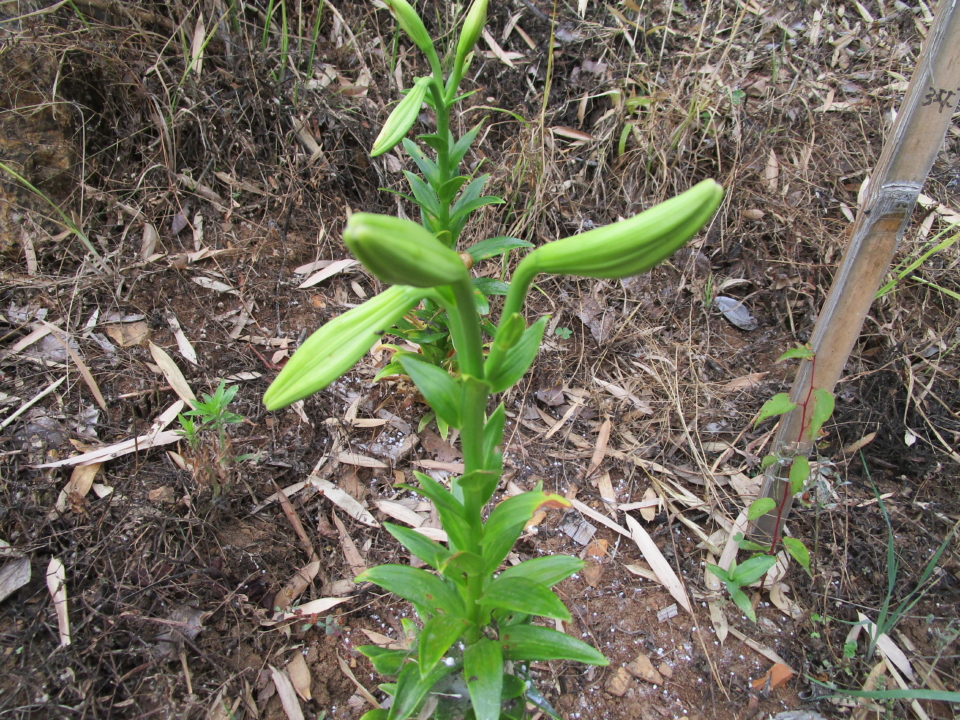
pixel 214 182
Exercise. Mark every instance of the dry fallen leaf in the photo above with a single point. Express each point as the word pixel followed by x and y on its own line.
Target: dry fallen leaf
pixel 128 334
pixel 287 695
pixel 299 675
pixel 649 513
pixel 81 480
pixel 57 585
pixel 668 578
pixel 296 585
pixel 777 676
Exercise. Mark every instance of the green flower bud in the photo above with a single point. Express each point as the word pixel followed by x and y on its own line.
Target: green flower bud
pixel 631 246
pixel 402 118
pixel 412 25
pixel 338 346
pixel 401 252
pixel 472 27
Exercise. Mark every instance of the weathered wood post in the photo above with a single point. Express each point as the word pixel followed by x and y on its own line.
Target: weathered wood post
pixel 907 157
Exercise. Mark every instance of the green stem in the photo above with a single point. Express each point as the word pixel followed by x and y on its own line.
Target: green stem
pixel 519 286
pixel 443 152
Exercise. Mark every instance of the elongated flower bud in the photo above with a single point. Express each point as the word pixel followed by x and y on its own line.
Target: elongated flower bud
pixel 401 252
pixel 338 346
pixel 629 247
pixel 402 118
pixel 412 25
pixel 472 27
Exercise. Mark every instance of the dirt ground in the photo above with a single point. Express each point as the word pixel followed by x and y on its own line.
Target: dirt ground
pixel 210 164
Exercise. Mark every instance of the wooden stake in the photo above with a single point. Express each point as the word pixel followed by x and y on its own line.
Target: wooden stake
pixel 894 187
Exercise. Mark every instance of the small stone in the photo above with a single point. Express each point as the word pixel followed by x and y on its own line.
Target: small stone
pixel 642 668
pixel 665 670
pixel 619 683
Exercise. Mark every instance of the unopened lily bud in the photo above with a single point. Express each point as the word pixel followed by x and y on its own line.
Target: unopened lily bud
pixel 632 246
pixel 472 28
pixel 466 258
pixel 338 346
pixel 402 118
pixel 412 25
pixel 401 252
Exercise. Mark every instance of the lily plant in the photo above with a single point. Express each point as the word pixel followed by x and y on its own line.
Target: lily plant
pixel 478 631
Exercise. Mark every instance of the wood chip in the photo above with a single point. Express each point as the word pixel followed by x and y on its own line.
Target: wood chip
pixel 642 668
pixel 668 612
pixel 776 677
pixel 619 683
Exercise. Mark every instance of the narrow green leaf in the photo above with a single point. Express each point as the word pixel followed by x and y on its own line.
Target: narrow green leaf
pixel 441 391
pixel 435 141
pixel 411 689
pixel 534 643
pixel 493 433
pixel 799 472
pixel 492 247
pixel 471 192
pixel 507 521
pixel 491 286
pixel 799 553
pixel 417 586
pixel 388 370
pixel 460 566
pixel 430 551
pixel 480 483
pixel 547 570
pixel 376 714
pixel 779 404
pixel 823 402
pixel 450 188
pixel 464 209
pixel 452 513
pixel 438 634
pixel 483 670
pixel 384 660
pixel 760 506
pixel 425 195
pixel 518 359
pixel 719 572
pixel 463 144
pixel 521 594
pixel 752 570
pixel 427 166
pixel 800 351
pixel 741 600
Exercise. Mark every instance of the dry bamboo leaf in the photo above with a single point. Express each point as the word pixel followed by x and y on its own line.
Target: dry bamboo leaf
pixel 315 607
pixel 450 467
pixel 36 334
pixel 360 688
pixel 506 58
pixel 196 49
pixel 433 533
pixel 732 546
pixel 711 581
pixel 186 349
pixel 14 575
pixel 344 501
pixel 666 575
pixel 603 437
pixel 156 437
pixel 294 519
pixel 400 512
pixel 574 406
pixel 757 647
pixel 56 584
pixel 888 648
pixel 287 695
pixel 861 443
pixel 571 134
pixel 744 382
pixel 296 585
pixel 643 571
pixel 81 480
pixel 621 394
pixel 350 553
pixel 384 641
pixel 299 675
pixel 337 266
pixel 173 374
pixel 215 285
pixel 148 244
pixel 771 173
pixel 719 620
pixel 78 361
pixel 649 512
pixel 349 458
pixel 600 518
pixel 778 596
